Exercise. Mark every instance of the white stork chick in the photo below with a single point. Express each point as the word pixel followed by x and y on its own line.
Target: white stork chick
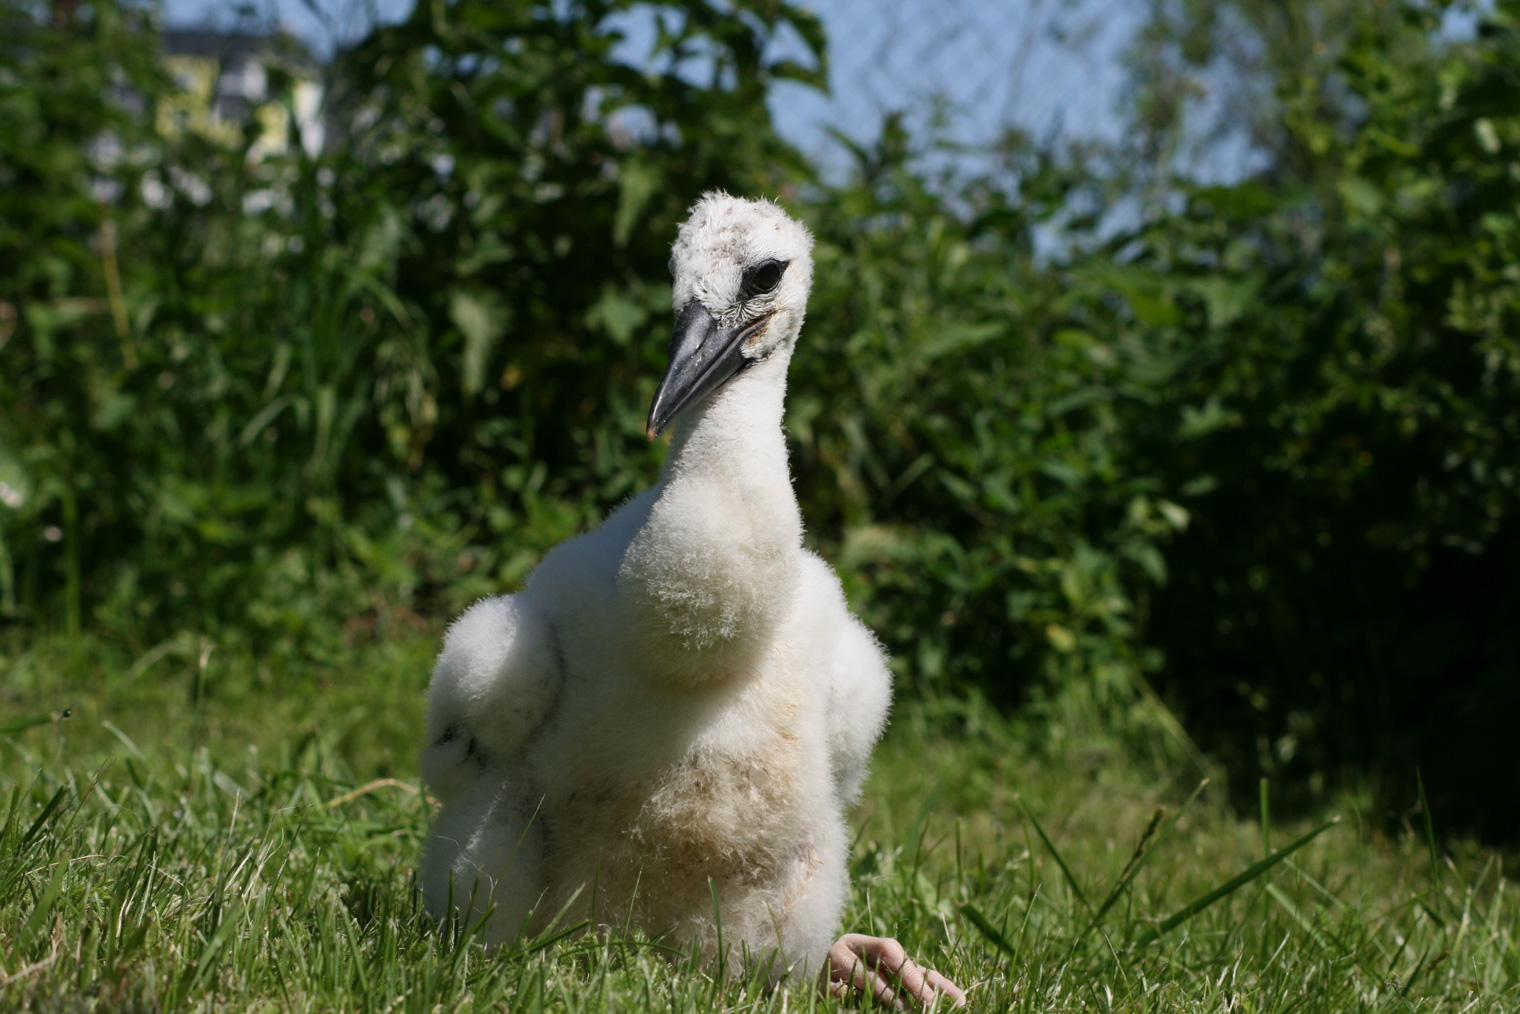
pixel 679 705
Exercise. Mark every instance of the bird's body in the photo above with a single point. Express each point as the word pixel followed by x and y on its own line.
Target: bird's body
pixel 678 707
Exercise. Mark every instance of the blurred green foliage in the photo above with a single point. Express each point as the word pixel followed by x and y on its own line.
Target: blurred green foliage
pixel 1348 419
pixel 251 391
pixel 1070 429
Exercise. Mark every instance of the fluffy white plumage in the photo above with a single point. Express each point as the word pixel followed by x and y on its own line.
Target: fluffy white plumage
pixel 682 695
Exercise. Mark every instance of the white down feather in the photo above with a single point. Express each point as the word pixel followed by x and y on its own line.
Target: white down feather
pixel 680 696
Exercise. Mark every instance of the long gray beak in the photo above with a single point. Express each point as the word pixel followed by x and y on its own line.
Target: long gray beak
pixel 704 355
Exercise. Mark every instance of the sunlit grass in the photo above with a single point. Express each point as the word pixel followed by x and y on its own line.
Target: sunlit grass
pixel 206 833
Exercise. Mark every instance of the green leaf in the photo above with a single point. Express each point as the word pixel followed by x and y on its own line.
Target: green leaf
pixel 482 319
pixel 1226 300
pixel 617 314
pixel 1361 196
pixel 791 70
pixel 1150 560
pixel 1176 514
pixel 1153 310
pixel 637 183
pixel 1244 200
pixel 958 337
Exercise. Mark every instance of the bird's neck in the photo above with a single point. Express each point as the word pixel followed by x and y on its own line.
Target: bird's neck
pixel 710 575
pixel 735 436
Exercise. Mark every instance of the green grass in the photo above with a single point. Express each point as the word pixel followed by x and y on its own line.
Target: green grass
pixel 205 832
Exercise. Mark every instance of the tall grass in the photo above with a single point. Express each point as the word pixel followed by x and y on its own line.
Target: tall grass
pixel 190 841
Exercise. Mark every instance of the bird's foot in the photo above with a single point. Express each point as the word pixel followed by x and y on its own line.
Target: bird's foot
pixel 879 967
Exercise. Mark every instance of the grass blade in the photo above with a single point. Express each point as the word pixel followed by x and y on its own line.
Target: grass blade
pixel 47 811
pixel 1266 819
pixel 1428 969
pixel 545 942
pixel 1430 830
pixel 1144 849
pixel 1071 879
pixel 39 916
pixel 1319 936
pixel 1236 882
pixel 1131 869
pixel 23 724
pixel 984 925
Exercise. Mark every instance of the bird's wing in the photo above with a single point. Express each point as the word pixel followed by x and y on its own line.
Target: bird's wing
pixel 860 684
pixel 495 685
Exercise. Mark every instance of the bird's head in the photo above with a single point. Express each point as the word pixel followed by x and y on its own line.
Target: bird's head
pixel 740 273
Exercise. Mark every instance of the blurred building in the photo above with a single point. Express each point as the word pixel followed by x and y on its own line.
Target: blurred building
pixel 229 80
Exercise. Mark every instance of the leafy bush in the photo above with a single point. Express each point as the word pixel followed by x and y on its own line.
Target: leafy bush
pixel 963 430
pixel 1258 449
pixel 1348 427
pixel 435 334
pixel 1270 437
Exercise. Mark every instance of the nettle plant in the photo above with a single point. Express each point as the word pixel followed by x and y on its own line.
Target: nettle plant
pixel 249 388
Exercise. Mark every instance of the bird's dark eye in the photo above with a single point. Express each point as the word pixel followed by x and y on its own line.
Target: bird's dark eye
pixel 765 277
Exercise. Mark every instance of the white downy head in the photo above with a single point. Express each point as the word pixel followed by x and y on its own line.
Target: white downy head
pixel 740 271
